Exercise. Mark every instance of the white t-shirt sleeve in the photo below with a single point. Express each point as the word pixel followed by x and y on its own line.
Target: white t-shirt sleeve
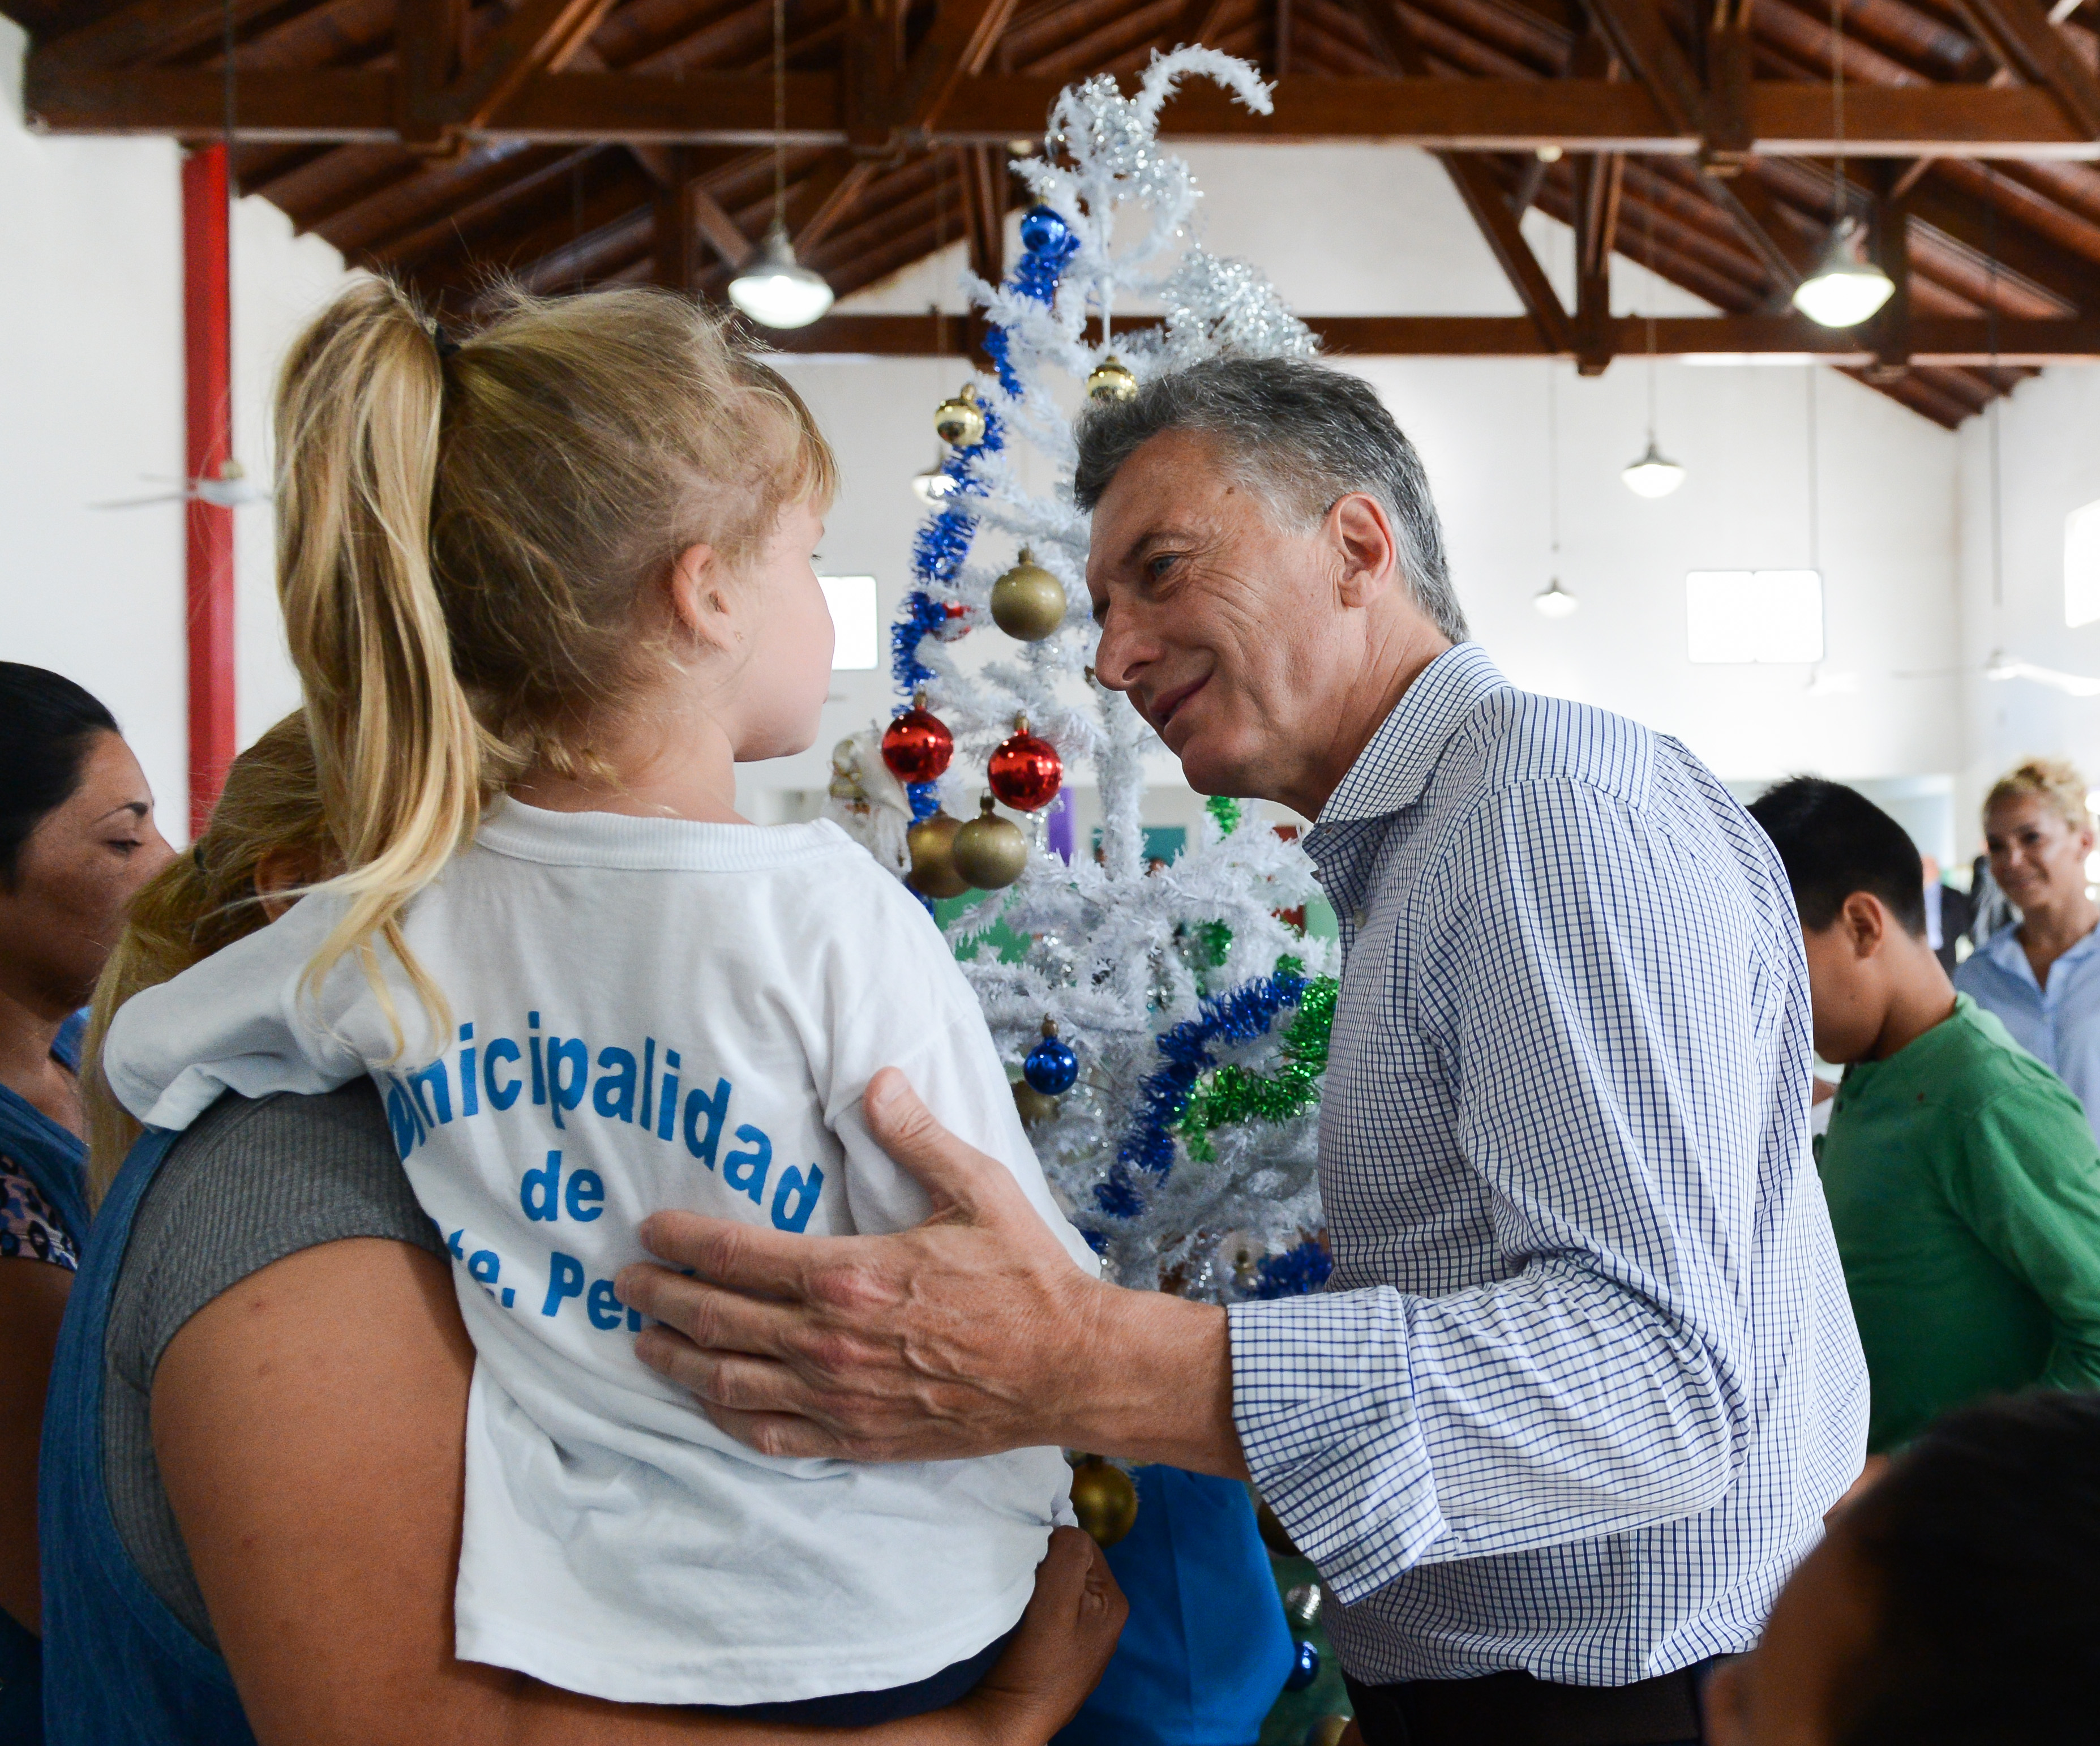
pixel 240 1021
pixel 897 998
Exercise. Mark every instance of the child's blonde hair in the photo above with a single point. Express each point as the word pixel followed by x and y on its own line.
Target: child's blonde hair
pixel 2055 781
pixel 464 535
pixel 202 902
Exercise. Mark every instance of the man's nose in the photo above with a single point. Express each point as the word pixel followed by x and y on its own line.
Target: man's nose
pixel 1116 662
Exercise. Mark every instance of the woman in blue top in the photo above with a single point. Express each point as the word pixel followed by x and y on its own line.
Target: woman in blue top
pixel 2042 977
pixel 77 839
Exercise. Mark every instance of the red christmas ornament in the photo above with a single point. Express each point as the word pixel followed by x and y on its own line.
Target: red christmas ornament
pixel 1025 771
pixel 917 745
pixel 955 609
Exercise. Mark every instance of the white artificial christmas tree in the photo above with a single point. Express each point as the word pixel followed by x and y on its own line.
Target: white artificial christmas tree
pixel 1196 1018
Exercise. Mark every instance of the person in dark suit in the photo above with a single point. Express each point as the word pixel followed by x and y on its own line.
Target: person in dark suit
pixel 1949 916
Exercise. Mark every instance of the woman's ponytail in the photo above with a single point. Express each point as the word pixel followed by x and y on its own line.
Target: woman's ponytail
pixel 401 757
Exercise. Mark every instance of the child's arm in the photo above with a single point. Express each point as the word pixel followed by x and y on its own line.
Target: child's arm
pixel 904 1002
pixel 240 1019
pixel 341 1372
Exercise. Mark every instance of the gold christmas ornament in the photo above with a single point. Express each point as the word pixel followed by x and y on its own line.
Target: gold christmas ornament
pixel 960 422
pixel 1032 1105
pixel 931 843
pixel 1028 602
pixel 1104 1499
pixel 988 851
pixel 1111 381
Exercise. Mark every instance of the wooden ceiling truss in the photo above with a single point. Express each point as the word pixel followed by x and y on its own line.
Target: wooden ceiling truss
pixel 573 143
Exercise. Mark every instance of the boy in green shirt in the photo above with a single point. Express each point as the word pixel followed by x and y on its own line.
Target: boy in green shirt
pixel 1962 1178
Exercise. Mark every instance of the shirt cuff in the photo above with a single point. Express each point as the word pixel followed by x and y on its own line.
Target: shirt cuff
pixel 1324 1409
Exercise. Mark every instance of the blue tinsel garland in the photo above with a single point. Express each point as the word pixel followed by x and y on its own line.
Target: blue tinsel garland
pixel 1295 1272
pixel 1239 1017
pixel 944 540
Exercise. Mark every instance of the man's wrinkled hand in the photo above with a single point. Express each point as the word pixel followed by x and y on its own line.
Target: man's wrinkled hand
pixel 956 1338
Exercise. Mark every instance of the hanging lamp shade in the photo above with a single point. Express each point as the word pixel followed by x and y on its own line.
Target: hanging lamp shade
pixel 1553 601
pixel 1654 475
pixel 1844 289
pixel 775 289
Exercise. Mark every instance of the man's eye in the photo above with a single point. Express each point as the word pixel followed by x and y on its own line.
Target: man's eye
pixel 1158 566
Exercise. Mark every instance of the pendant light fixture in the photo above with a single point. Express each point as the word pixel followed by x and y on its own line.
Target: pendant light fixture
pixel 774 289
pixel 1553 601
pixel 1654 475
pixel 1845 288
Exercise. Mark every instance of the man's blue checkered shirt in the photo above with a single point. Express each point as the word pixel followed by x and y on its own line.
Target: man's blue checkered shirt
pixel 1584 1378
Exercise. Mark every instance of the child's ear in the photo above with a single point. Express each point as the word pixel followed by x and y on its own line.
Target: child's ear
pixel 1865 922
pixel 698 595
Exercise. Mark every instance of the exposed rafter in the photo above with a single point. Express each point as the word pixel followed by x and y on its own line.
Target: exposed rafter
pixel 1943 342
pixel 579 141
pixel 1471 115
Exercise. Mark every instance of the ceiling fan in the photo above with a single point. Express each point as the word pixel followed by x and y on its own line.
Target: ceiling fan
pixel 2002 668
pixel 231 488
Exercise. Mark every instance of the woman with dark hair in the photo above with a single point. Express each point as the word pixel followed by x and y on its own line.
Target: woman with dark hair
pixel 77 839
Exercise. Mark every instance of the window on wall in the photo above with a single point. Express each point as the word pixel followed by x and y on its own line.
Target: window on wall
pixel 856 622
pixel 2081 565
pixel 1738 617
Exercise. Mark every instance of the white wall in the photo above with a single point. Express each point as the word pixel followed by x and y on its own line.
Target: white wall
pixel 1370 230
pixel 2048 464
pixel 91 369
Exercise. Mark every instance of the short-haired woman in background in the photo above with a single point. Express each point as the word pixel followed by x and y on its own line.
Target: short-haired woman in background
pixel 77 839
pixel 2042 977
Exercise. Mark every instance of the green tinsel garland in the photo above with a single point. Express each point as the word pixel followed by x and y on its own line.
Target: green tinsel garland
pixel 1232 1094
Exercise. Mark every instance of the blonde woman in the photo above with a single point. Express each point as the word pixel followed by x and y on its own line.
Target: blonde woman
pixel 2042 977
pixel 545 589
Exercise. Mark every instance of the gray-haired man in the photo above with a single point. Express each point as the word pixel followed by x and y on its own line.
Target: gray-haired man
pixel 1585 1379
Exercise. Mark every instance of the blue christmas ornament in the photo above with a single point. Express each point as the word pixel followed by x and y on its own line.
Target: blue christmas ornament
pixel 1042 228
pixel 1051 1066
pixel 1304 1669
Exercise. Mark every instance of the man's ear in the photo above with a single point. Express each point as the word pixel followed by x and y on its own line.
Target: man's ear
pixel 1867 923
pixel 1369 549
pixel 698 593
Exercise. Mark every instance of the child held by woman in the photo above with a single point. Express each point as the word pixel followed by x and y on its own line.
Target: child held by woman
pixel 544 591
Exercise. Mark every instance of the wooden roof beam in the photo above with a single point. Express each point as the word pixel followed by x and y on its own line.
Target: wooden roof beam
pixel 1789 117
pixel 542 36
pixel 150 30
pixel 1394 44
pixel 2028 45
pixel 1941 343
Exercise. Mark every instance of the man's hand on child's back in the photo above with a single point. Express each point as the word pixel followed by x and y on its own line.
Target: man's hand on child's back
pixel 1057 1655
pixel 969 1334
pixel 862 1348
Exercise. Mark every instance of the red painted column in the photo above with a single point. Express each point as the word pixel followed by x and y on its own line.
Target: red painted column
pixel 207 380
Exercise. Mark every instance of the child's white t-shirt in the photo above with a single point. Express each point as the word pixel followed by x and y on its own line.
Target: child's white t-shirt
pixel 650 1013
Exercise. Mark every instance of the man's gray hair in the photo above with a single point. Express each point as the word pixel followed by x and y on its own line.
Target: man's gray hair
pixel 1301 436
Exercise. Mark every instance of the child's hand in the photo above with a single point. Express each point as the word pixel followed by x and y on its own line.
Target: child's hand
pixel 1056 1658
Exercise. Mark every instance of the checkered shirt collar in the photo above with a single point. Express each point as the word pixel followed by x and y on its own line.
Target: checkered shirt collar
pixel 1389 773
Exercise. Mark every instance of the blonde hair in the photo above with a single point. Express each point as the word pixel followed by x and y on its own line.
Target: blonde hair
pixel 2055 781
pixel 465 541
pixel 202 901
